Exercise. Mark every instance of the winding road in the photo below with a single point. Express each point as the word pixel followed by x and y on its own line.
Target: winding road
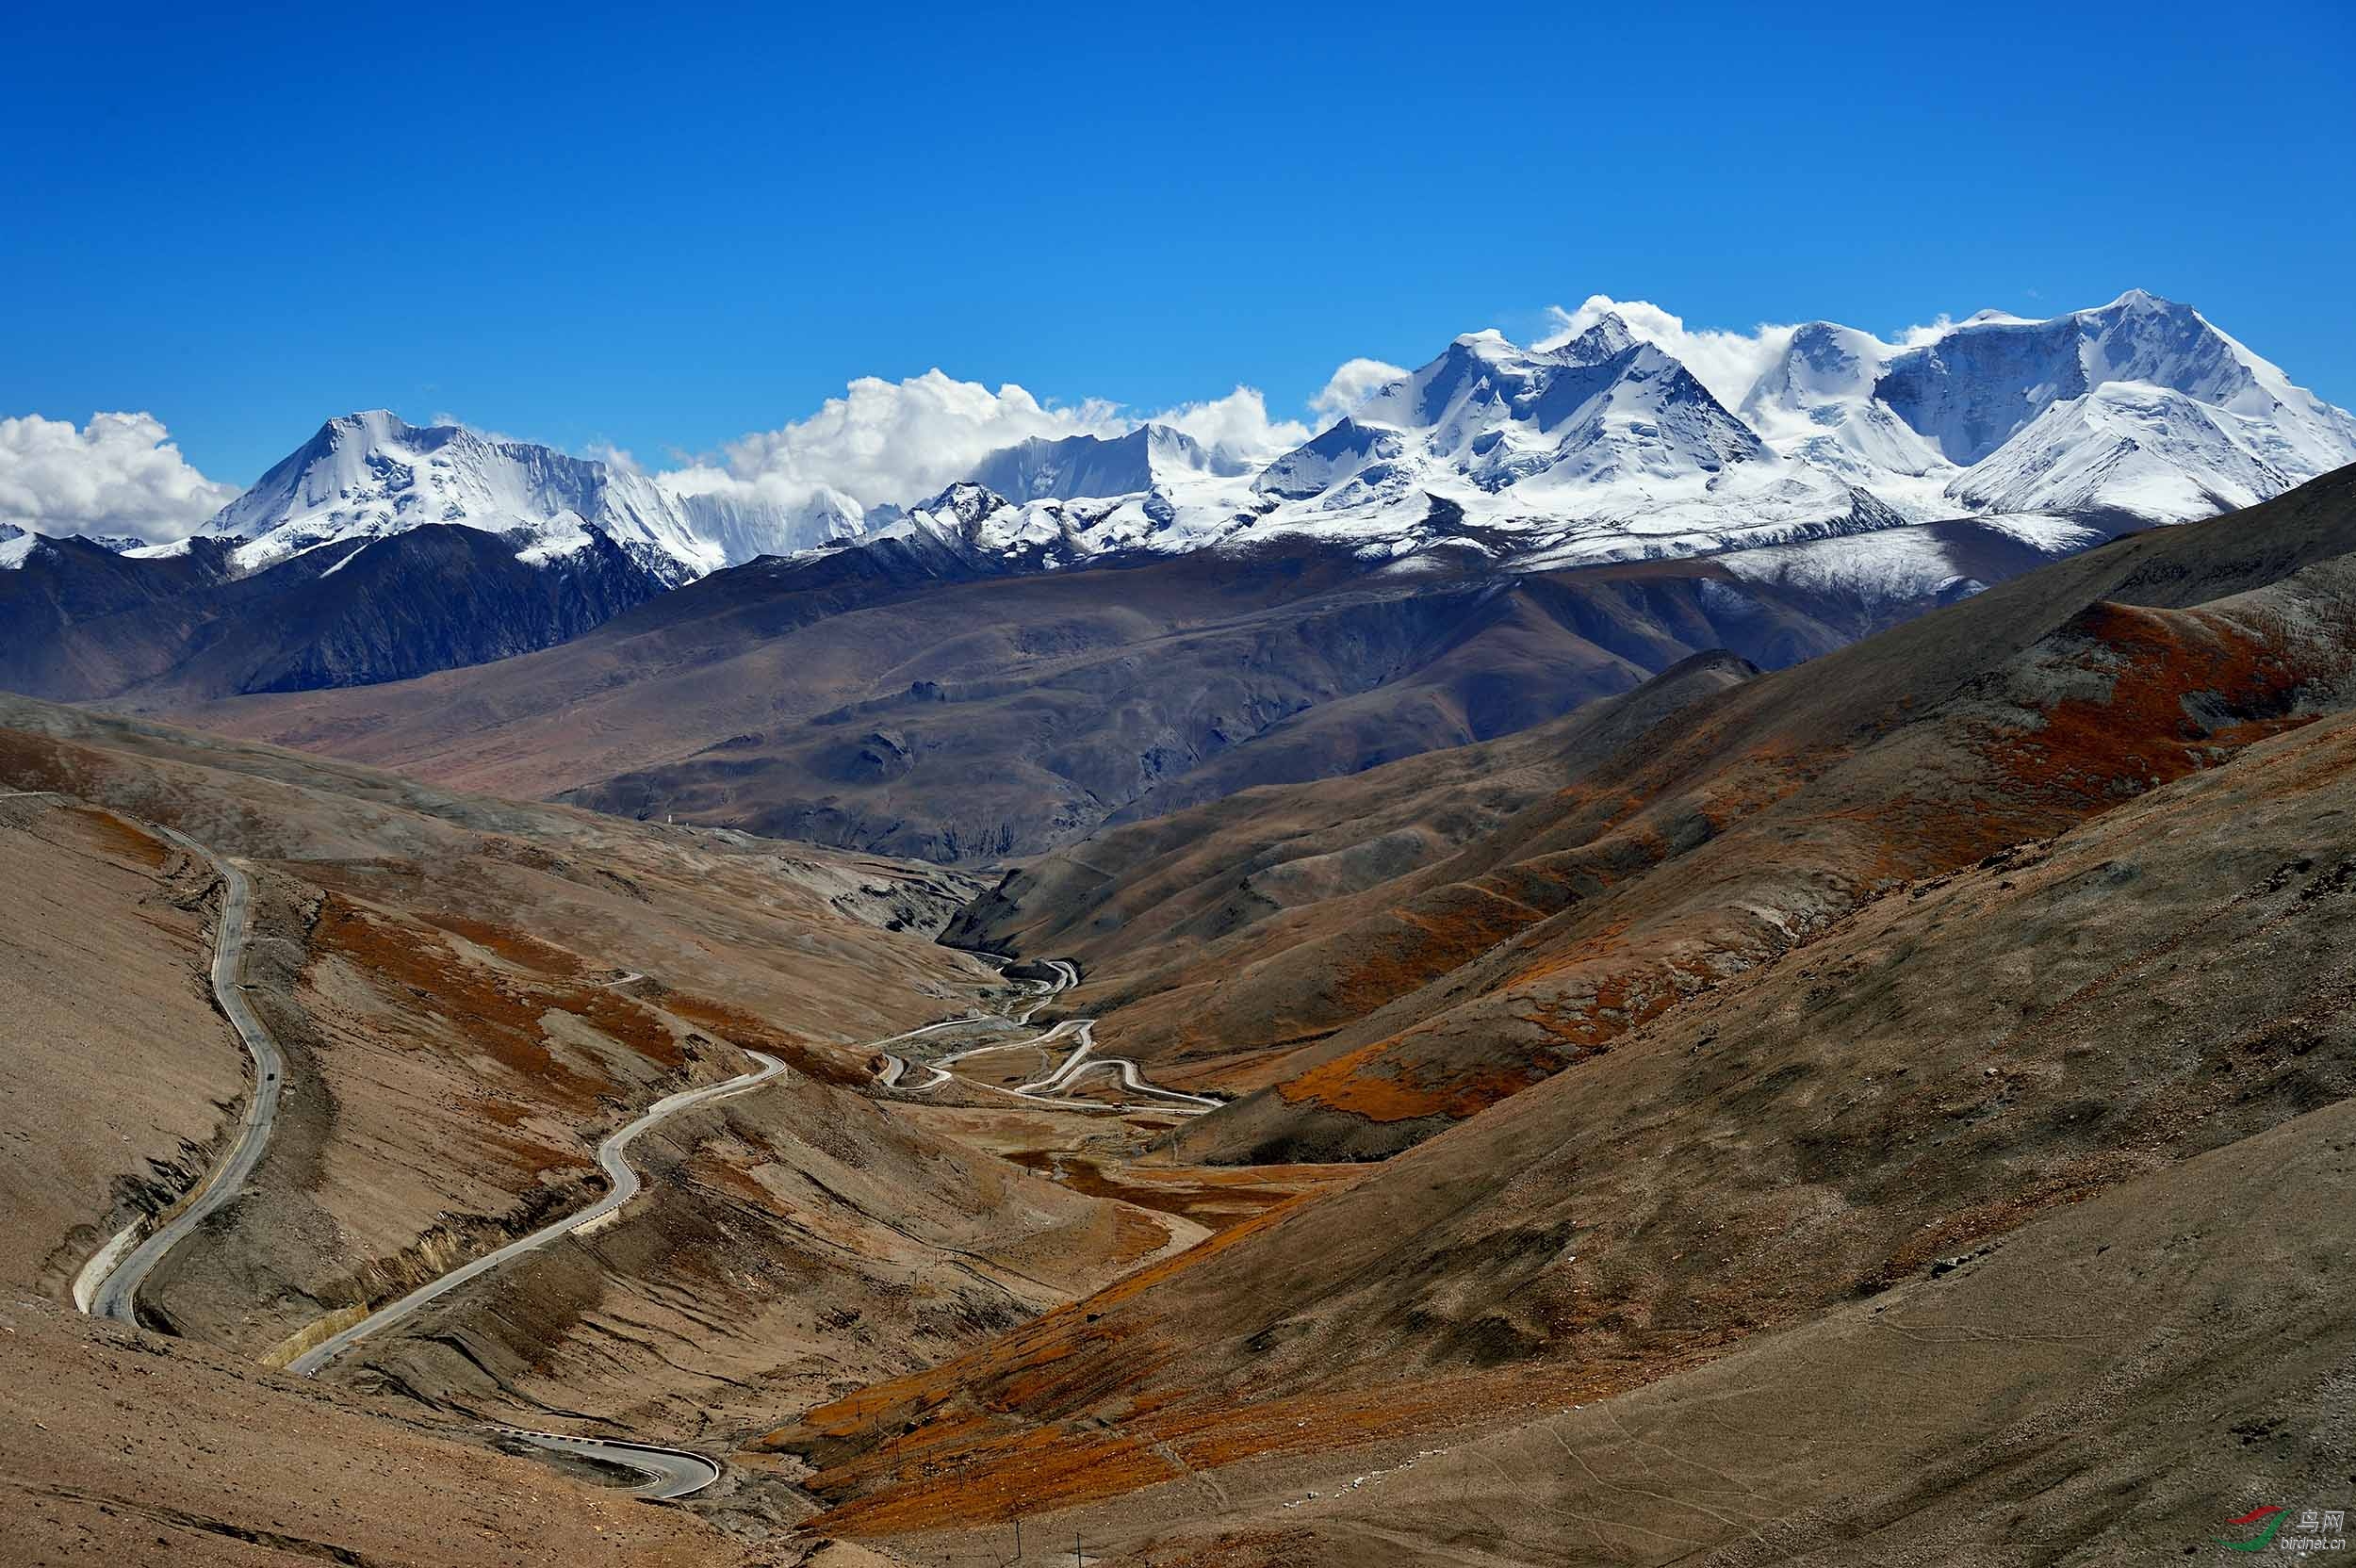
pixel 115 1292
pixel 894 1065
pixel 669 1472
pixel 1049 1090
pixel 622 1185
pixel 108 1284
pixel 1082 1061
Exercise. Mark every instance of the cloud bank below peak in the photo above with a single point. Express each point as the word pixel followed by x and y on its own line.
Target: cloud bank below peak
pixel 898 442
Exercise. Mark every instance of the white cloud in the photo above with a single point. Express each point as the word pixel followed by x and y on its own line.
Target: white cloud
pixel 1238 424
pixel 119 474
pixel 1348 387
pixel 617 459
pixel 899 442
pixel 889 441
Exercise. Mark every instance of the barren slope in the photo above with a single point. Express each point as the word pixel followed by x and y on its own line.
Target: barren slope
pixel 1411 990
pixel 2111 1384
pixel 1948 1061
pixel 469 993
pixel 117 1068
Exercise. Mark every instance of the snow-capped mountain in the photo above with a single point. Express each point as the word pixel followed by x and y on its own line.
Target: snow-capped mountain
pixel 1866 476
pixel 978 524
pixel 372 475
pixel 742 525
pixel 1603 407
pixel 2140 407
pixel 1603 446
pixel 17 545
pixel 1600 409
pixel 1149 457
pixel 1599 447
pixel 1815 404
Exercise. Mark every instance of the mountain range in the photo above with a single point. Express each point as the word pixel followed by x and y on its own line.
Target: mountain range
pixel 1474 547
pixel 1600 446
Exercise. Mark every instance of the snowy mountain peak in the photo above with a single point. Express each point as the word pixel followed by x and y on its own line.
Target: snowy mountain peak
pixel 968 502
pixel 1607 336
pixel 1147 458
pixel 1815 404
pixel 371 475
pixel 1487 343
pixel 1984 382
pixel 1600 409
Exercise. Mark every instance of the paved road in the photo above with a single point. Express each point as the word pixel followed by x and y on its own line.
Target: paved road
pixel 117 1294
pixel 669 1472
pixel 622 1185
pixel 110 1289
pixel 1047 1090
pixel 894 1065
pixel 1082 1061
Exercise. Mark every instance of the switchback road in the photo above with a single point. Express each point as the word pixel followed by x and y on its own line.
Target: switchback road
pixel 1050 1090
pixel 622 1185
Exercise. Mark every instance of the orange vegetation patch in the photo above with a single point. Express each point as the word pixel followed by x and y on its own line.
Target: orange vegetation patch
pixel 1448 928
pixel 1015 1361
pixel 963 1483
pixel 732 1178
pixel 1376 1081
pixel 2171 667
pixel 489 1012
pixel 625 1020
pixel 493 1014
pixel 1216 1196
pixel 842 1069
pixel 503 1113
pixel 518 948
pixel 1400 1078
pixel 1137 1235
pixel 115 835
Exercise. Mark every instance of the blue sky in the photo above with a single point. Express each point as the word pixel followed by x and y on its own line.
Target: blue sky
pixel 665 228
